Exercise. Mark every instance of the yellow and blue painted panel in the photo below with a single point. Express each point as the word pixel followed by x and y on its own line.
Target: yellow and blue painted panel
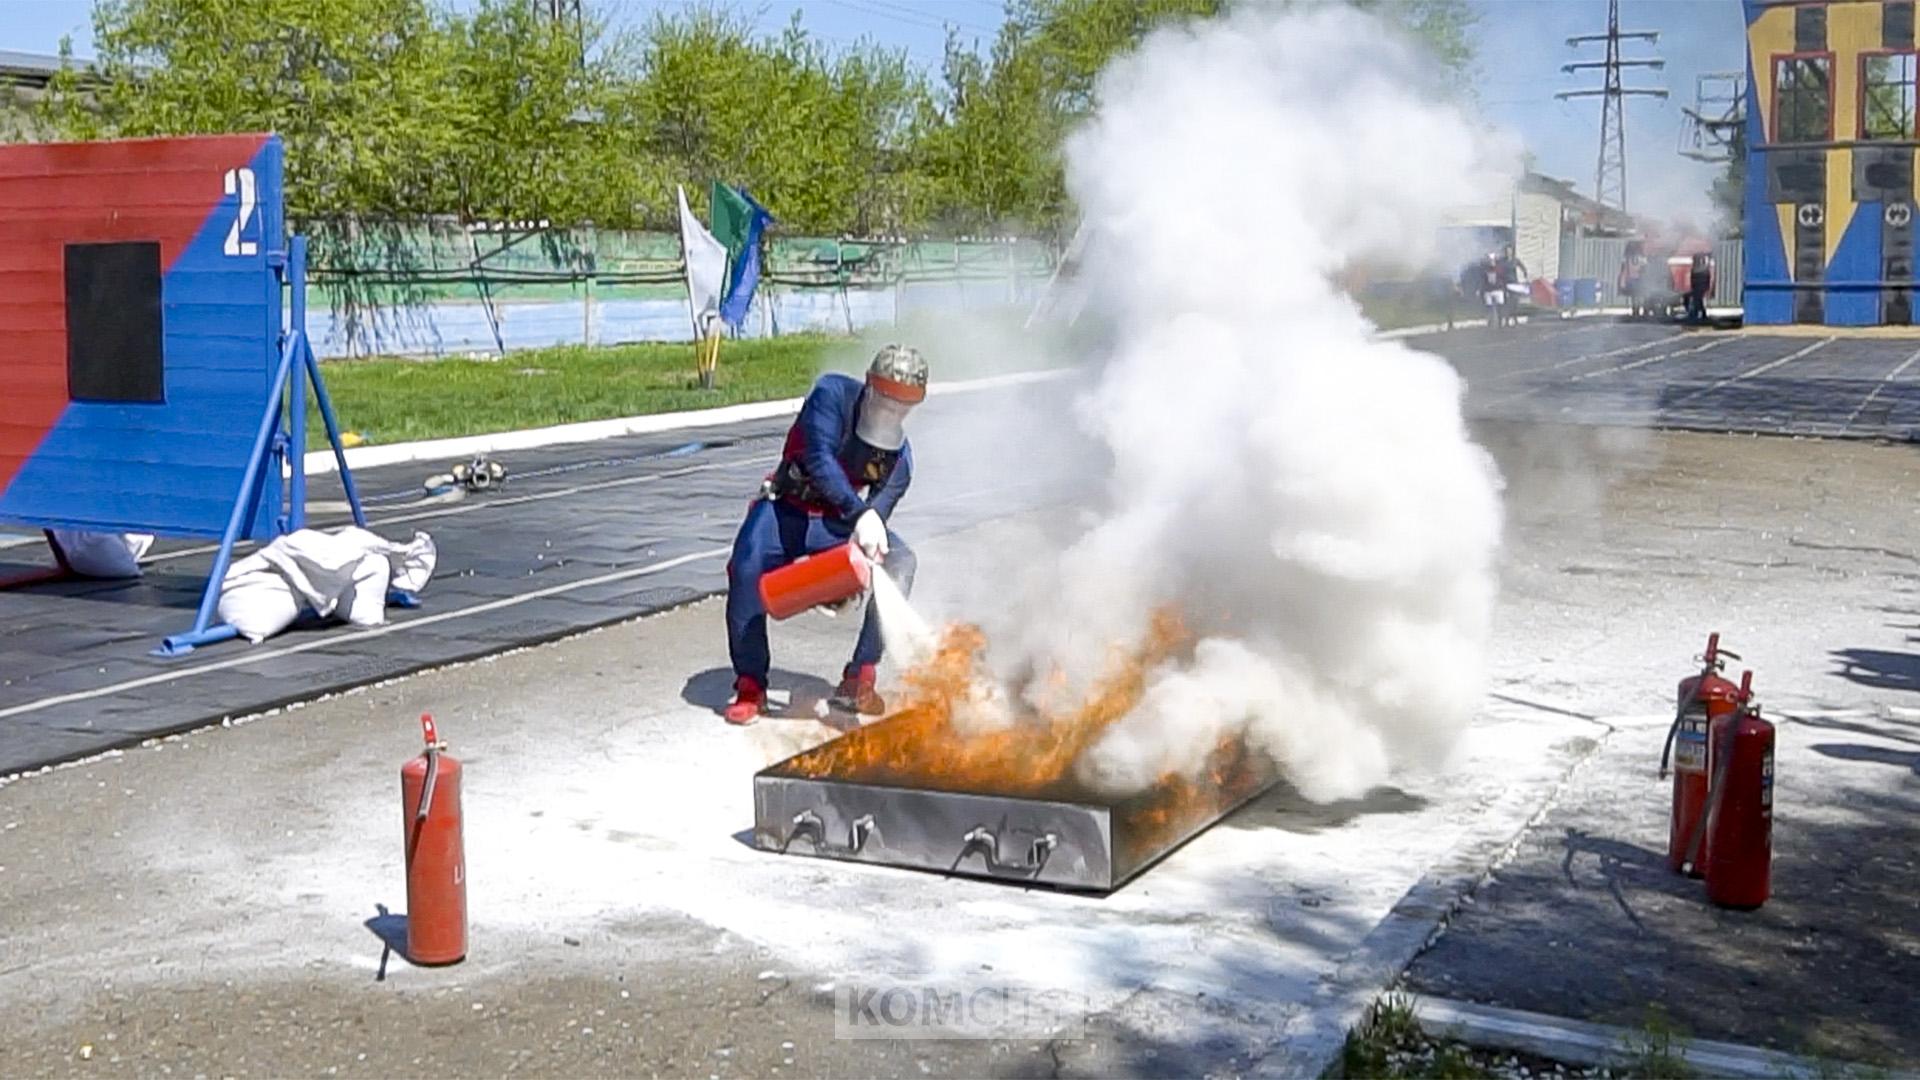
pixel 1829 222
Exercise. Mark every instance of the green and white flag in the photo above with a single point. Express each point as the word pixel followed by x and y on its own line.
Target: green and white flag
pixel 732 216
pixel 738 222
pixel 706 260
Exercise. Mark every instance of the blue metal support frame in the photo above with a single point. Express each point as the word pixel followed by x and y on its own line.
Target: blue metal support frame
pixel 280 442
pixel 296 392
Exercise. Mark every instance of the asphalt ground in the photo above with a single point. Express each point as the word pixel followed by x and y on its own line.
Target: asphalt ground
pixel 590 534
pixel 579 536
pixel 1608 372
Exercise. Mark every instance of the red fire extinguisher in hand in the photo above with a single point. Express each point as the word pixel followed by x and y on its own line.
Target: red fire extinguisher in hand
pixel 436 853
pixel 1703 700
pixel 1739 855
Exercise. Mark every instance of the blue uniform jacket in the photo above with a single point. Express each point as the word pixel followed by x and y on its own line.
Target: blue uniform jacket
pixel 836 463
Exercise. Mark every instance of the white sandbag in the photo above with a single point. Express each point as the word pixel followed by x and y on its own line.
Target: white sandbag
pixel 102 555
pixel 410 564
pixel 366 601
pixel 342 574
pixel 413 563
pixel 320 567
pixel 256 600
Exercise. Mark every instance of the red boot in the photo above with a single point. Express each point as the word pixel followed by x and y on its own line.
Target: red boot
pixel 748 698
pixel 856 693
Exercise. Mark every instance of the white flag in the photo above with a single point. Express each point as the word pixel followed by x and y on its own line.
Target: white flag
pixel 706 269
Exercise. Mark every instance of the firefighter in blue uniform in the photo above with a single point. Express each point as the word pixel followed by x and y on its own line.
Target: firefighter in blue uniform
pixel 845 466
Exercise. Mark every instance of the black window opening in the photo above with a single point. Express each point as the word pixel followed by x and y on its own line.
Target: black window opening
pixel 114 331
pixel 1887 96
pixel 1803 99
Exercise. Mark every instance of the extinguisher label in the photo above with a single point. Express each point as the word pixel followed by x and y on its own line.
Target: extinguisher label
pixel 1690 745
pixel 1766 783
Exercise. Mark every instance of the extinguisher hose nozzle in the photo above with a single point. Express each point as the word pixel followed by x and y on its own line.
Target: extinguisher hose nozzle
pixel 1679 714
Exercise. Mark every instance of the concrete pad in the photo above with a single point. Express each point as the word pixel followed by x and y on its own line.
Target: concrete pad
pixel 605 805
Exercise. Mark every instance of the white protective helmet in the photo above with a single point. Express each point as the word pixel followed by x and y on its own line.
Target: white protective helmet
pixel 896 382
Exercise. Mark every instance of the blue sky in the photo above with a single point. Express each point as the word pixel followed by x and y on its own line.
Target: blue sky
pixel 1522 45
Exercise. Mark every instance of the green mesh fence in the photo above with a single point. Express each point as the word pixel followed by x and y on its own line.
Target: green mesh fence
pixel 438 262
pixel 441 287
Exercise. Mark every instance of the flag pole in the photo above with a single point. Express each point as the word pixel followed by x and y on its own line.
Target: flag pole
pixel 708 349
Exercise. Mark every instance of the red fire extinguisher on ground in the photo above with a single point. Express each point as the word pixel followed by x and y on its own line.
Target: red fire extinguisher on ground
pixel 1739 856
pixel 436 853
pixel 1703 700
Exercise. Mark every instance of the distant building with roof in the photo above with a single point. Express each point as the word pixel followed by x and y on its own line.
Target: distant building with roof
pixel 1542 217
pixel 23 84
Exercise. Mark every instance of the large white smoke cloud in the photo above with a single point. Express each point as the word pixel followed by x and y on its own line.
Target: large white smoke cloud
pixel 1307 495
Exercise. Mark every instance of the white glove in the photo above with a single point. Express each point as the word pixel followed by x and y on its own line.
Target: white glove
pixel 833 610
pixel 870 535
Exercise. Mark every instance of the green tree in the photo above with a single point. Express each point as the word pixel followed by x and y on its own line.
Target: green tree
pixel 825 138
pixel 534 120
pixel 689 109
pixel 358 89
pixel 393 109
pixel 1074 40
pixel 994 153
pixel 70 107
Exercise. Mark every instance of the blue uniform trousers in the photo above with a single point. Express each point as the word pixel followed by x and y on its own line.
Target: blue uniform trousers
pixel 773 535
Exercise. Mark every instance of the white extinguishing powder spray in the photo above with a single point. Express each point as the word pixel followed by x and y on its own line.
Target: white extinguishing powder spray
pixel 1306 495
pixel 907 637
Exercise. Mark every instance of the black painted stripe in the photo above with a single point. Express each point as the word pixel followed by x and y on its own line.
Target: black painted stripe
pixel 1896 24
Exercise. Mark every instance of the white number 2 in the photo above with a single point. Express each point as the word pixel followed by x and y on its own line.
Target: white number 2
pixel 241 181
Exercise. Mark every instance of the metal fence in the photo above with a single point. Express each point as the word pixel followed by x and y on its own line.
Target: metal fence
pixel 437 289
pixel 1599 258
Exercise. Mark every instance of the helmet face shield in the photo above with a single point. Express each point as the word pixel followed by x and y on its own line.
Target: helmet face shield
pixel 882 420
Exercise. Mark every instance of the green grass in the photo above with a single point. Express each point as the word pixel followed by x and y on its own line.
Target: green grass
pixel 1397 312
pixel 391 401
pixel 1658 1048
pixel 1389 1045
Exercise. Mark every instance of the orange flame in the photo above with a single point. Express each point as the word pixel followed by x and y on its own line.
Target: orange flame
pixel 927 745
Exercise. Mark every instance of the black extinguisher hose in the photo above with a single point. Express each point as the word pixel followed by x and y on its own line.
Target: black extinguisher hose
pixel 1673 729
pixel 1716 787
pixel 426 803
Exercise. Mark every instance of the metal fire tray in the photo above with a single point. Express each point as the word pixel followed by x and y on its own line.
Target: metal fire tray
pixel 1062 838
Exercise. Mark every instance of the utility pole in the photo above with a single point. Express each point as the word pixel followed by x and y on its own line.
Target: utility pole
pixel 567 13
pixel 1610 177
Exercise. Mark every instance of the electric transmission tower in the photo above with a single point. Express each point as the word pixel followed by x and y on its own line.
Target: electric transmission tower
pixel 1712 130
pixel 1610 177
